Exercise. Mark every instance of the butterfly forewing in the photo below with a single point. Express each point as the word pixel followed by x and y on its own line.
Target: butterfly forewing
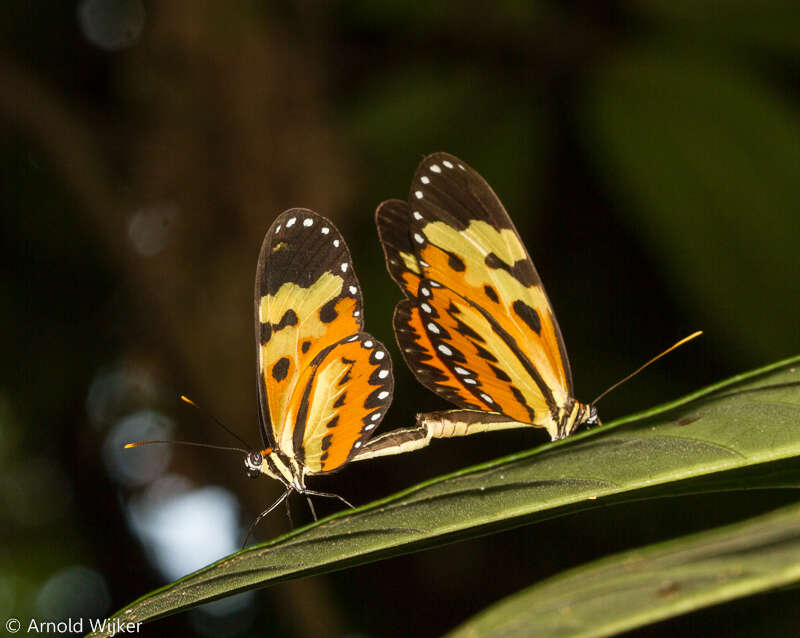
pixel 342 397
pixel 307 298
pixel 394 220
pixel 498 315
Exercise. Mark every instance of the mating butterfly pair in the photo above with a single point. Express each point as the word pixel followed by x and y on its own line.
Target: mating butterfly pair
pixel 476 327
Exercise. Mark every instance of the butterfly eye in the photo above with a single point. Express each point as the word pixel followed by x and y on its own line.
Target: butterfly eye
pixel 251 464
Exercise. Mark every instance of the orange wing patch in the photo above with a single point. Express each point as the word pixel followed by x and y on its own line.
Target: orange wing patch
pixel 341 399
pixel 307 298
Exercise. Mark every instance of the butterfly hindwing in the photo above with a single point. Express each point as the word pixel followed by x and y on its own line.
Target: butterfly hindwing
pixel 307 298
pixel 470 341
pixel 342 397
pixel 491 301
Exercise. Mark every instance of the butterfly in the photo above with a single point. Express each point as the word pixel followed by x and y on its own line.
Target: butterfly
pixel 324 385
pixel 476 326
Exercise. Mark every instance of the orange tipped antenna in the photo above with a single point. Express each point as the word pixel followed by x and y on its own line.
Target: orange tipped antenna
pixel 192 443
pixel 186 399
pixel 653 360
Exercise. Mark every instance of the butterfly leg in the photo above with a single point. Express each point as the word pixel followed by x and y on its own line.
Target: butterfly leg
pixel 311 506
pixel 261 516
pixel 330 495
pixel 289 513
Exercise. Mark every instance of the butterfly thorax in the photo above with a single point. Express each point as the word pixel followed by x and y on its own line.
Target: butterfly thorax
pixel 276 465
pixel 571 415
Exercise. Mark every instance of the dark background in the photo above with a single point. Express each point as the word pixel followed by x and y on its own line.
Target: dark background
pixel 648 152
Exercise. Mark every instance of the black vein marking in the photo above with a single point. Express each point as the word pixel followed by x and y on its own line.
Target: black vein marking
pixel 522 270
pixel 332 423
pixel 465 330
pixel 521 398
pixel 491 293
pixel 340 401
pixel 280 369
pixel 328 312
pixel 289 319
pixel 499 373
pixel 266 332
pixel 455 262
pixel 528 315
pixel 483 353
pixel 347 376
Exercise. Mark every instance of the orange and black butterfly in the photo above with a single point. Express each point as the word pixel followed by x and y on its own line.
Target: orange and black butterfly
pixel 324 384
pixel 476 326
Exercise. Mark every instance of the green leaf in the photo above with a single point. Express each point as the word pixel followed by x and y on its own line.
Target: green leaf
pixel 742 433
pixel 645 585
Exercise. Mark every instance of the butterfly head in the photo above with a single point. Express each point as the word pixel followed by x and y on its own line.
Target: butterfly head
pixel 573 415
pixel 271 462
pixel 254 465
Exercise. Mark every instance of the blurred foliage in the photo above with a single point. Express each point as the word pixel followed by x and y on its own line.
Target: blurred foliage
pixel 646 150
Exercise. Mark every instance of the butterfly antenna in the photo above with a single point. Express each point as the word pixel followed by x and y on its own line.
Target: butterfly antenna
pixel 186 399
pixel 653 360
pixel 192 443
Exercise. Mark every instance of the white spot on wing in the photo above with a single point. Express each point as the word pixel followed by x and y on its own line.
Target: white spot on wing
pixel 369 427
pixel 417 215
pixel 379 355
pixel 444 349
pixel 358 444
pixel 325 230
pixel 291 222
pixel 344 266
pixel 435 168
pixel 470 381
pixel 278 229
pixel 353 290
pixel 461 370
pixel 383 395
pixel 368 344
pixel 375 416
pixel 486 397
pixel 447 164
pixel 336 243
pixel 425 307
pixel 425 292
pixel 425 179
pixel 383 374
pixel 419 238
pixel 356 313
pixel 433 328
pixel 308 222
pixel 418 194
